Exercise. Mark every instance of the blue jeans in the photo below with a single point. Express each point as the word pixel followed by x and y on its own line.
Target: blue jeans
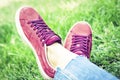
pixel 81 68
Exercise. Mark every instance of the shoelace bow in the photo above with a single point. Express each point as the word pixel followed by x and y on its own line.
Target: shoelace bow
pixel 43 31
pixel 80 43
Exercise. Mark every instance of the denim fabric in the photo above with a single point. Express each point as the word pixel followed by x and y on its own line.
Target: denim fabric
pixel 81 68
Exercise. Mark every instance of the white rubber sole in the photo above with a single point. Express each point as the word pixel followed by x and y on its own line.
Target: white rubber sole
pixel 22 35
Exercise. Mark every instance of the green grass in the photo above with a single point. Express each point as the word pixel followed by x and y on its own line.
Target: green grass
pixel 17 61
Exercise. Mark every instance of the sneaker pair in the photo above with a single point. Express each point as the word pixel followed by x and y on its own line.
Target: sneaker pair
pixel 38 35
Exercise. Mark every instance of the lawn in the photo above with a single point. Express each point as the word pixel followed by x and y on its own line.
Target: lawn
pixel 17 61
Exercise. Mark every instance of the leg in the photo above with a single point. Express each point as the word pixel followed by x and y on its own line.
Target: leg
pixel 72 67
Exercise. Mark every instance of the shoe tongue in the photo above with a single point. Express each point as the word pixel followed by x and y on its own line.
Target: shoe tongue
pixel 80 53
pixel 53 39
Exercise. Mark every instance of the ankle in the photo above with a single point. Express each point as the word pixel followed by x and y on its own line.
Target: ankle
pixel 58 56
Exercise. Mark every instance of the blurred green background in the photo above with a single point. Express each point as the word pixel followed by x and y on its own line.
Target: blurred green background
pixel 17 61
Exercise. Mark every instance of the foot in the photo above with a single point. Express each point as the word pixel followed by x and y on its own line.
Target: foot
pixel 38 35
pixel 79 39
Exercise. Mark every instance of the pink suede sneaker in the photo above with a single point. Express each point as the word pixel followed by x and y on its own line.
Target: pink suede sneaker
pixel 79 39
pixel 38 35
